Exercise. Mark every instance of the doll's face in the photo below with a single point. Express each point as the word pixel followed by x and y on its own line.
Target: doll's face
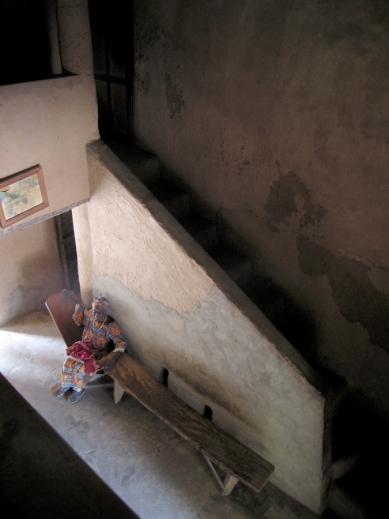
pixel 99 314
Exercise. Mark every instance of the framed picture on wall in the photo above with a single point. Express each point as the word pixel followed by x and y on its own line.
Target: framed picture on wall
pixel 21 195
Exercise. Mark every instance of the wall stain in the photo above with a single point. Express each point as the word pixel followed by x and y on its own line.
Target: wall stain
pixel 145 84
pixel 9 430
pixel 174 97
pixel 281 202
pixel 25 300
pixel 379 13
pixel 146 40
pixel 344 30
pixel 352 291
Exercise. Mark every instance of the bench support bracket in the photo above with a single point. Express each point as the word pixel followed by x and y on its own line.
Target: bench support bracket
pixel 118 392
pixel 228 485
pixel 92 382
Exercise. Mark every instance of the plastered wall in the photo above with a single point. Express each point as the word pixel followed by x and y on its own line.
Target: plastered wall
pixel 30 269
pixel 275 115
pixel 48 123
pixel 174 316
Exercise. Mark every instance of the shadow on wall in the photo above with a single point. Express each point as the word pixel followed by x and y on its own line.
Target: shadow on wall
pixel 42 271
pixel 288 317
pixel 25 300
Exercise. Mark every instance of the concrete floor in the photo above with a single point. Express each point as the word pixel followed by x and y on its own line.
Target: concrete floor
pixel 152 469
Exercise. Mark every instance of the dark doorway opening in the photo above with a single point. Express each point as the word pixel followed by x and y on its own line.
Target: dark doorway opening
pixel 68 251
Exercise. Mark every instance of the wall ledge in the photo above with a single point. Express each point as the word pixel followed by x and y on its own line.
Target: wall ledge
pixel 19 227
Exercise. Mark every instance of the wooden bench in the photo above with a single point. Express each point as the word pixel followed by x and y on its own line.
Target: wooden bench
pixel 61 308
pixel 218 448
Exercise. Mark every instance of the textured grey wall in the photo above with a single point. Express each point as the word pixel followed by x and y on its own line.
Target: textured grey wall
pixel 275 114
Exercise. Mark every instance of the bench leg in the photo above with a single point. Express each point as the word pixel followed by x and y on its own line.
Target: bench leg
pixel 228 485
pixel 93 381
pixel 118 392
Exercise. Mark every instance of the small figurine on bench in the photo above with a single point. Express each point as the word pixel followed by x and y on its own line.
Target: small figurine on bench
pixel 82 356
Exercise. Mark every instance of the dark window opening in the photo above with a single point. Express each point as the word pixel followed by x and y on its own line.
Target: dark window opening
pixel 68 251
pixel 112 43
pixel 25 49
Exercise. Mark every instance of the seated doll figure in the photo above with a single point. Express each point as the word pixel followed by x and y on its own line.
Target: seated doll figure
pixel 99 331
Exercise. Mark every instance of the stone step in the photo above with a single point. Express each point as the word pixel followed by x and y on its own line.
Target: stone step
pixel 203 230
pixel 236 265
pixel 174 199
pixel 360 458
pixel 288 318
pixel 351 431
pixel 145 166
pixel 343 466
pixel 142 164
pixel 344 505
pixel 268 299
pixel 330 514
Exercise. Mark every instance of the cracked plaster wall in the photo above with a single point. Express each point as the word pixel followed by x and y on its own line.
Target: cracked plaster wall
pixel 174 316
pixel 275 115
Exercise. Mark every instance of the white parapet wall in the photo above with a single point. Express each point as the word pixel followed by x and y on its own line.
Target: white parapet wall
pixel 49 122
pixel 169 298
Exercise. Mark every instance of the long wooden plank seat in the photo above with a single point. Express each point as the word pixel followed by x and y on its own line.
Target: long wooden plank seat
pixel 219 448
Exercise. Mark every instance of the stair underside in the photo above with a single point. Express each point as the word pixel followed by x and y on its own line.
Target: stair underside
pixel 353 495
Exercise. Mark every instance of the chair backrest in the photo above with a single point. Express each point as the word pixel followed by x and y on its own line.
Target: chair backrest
pixel 61 308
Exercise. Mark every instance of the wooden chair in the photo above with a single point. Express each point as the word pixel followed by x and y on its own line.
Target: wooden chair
pixel 61 308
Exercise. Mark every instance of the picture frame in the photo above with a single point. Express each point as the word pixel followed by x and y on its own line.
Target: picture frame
pixel 21 195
